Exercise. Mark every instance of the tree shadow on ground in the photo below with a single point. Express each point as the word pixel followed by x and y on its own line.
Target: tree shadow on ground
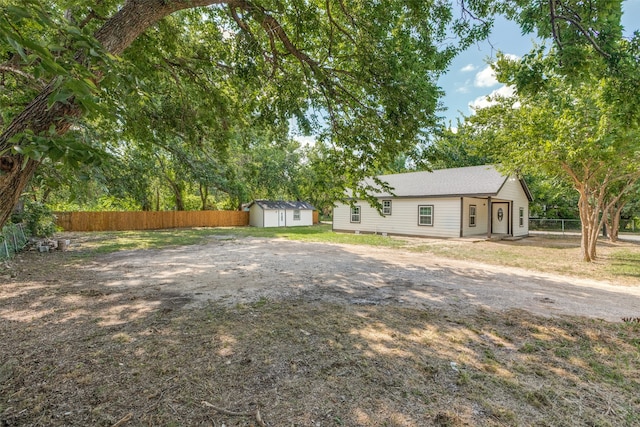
pixel 347 348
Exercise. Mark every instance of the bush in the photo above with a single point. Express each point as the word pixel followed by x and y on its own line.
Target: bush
pixel 38 219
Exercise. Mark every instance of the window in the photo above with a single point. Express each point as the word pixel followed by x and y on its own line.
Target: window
pixel 521 217
pixel 386 207
pixel 425 215
pixel 355 214
pixel 472 215
pixel 296 214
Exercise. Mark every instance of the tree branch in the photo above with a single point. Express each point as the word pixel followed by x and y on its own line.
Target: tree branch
pixel 14 70
pixel 90 16
pixel 554 28
pixel 335 24
pixel 346 13
pixel 574 21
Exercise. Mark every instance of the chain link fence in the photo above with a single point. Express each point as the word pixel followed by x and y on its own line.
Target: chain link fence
pixel 544 224
pixel 573 225
pixel 12 240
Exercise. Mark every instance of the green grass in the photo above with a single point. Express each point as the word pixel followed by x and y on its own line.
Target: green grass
pixel 315 233
pixel 625 263
pixel 107 242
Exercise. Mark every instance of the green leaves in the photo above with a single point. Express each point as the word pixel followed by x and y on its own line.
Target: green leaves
pixel 53 49
pixel 69 148
pixel 568 127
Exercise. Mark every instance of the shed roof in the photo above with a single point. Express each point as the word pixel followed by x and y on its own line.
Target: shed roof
pixel 482 180
pixel 282 204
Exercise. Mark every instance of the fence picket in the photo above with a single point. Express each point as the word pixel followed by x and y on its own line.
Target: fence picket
pixel 125 221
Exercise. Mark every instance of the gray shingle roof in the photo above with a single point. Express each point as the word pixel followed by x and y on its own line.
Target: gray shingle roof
pixel 468 181
pixel 281 204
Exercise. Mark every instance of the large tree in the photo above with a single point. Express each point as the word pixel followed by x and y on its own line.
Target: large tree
pixel 368 67
pixel 565 129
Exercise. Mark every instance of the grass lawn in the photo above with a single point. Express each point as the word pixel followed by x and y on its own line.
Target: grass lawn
pixel 76 352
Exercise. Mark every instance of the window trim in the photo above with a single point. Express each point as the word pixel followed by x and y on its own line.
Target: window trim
pixel 521 216
pixel 473 216
pixel 384 211
pixel 426 216
pixel 296 215
pixel 352 213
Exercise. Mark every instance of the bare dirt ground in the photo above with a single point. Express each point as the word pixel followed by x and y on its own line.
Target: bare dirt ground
pixel 246 270
pixel 269 332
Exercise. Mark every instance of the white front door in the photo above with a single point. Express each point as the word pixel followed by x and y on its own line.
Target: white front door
pixel 282 219
pixel 500 218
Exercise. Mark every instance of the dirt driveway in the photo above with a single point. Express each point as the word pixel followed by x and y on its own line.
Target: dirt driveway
pixel 240 270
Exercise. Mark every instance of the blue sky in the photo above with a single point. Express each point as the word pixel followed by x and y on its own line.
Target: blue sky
pixel 469 79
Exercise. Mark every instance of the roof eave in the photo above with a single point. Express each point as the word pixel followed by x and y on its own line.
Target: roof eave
pixel 433 196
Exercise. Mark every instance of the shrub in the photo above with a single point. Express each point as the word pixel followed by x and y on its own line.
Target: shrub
pixel 38 219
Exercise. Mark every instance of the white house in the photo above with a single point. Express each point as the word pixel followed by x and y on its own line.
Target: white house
pixel 460 202
pixel 271 213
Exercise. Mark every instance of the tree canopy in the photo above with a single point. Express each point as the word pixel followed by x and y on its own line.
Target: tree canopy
pixel 190 88
pixel 564 127
pixel 361 75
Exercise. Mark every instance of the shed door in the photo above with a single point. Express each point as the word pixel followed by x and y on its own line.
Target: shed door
pixel 500 218
pixel 282 219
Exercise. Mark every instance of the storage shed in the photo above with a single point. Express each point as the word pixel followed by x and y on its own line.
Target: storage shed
pixel 278 213
pixel 459 202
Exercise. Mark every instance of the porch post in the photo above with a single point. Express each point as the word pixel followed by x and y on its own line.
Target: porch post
pixel 461 216
pixel 512 218
pixel 489 218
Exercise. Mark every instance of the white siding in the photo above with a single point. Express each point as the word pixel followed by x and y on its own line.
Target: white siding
pixel 446 214
pixel 259 217
pixel 255 216
pixel 512 190
pixel 481 217
pixel 403 218
pixel 270 218
pixel 306 218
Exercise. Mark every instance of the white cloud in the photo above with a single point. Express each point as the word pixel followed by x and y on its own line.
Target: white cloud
pixel 468 68
pixel 511 56
pixel 485 78
pixel 487 100
pixel 463 87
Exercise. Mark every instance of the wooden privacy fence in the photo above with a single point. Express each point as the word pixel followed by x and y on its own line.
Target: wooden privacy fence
pixel 121 221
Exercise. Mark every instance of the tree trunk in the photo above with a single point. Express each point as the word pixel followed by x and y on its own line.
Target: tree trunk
pixel 590 228
pixel 204 195
pixel 12 177
pixel 15 172
pixel 615 226
pixel 177 193
pixel 613 221
pixel 117 33
pixel 146 204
